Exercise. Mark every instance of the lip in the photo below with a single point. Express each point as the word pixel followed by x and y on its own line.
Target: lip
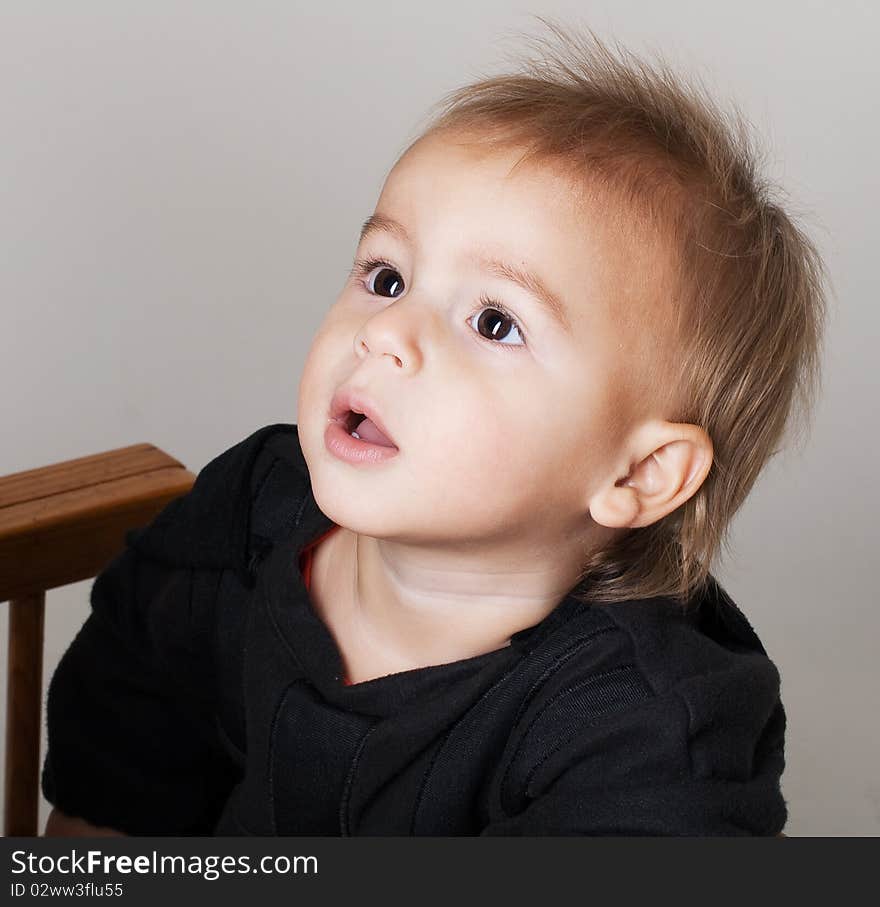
pixel 356 451
pixel 346 399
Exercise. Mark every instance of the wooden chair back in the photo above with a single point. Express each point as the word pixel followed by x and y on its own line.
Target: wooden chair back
pixel 61 524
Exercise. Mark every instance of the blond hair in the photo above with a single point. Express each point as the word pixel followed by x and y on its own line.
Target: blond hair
pixel 749 301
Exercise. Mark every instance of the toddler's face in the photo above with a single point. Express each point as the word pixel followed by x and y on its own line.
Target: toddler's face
pixel 506 416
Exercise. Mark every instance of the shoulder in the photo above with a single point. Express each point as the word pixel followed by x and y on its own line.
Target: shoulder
pixel 647 692
pixel 671 642
pixel 220 521
pixel 705 653
pixel 665 644
pixel 708 656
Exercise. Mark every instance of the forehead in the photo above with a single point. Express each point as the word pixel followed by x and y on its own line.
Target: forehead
pixel 464 208
pixel 485 197
pixel 457 198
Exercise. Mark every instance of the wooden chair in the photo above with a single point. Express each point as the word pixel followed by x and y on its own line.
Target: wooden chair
pixel 62 524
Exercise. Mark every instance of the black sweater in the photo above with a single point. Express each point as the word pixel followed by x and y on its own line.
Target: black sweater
pixel 204 695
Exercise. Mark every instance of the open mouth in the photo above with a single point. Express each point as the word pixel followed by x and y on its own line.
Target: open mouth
pixel 352 420
pixel 361 427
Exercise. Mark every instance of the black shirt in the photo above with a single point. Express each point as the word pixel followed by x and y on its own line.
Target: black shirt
pixel 203 695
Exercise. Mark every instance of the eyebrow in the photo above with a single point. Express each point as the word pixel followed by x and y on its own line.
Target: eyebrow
pixel 524 279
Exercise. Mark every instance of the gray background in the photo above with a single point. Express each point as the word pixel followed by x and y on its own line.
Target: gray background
pixel 181 187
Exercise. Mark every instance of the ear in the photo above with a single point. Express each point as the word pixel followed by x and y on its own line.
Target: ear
pixel 671 459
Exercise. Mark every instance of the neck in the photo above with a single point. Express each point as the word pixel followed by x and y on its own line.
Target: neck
pixel 420 607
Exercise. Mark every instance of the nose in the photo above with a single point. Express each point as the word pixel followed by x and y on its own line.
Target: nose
pixel 363 351
pixel 397 331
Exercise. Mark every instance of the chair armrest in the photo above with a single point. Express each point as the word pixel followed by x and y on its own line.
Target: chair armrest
pixel 64 523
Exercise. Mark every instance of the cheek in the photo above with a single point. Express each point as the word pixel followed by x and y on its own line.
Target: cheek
pixel 482 475
pixel 310 380
pixel 322 372
pixel 326 352
pixel 478 440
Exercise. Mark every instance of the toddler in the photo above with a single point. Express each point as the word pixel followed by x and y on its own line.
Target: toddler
pixel 468 593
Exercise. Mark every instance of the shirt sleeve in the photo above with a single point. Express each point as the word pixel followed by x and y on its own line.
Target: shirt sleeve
pixel 652 770
pixel 133 737
pixel 132 741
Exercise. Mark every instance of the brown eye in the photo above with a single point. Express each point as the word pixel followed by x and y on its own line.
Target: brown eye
pixel 387 279
pixel 495 325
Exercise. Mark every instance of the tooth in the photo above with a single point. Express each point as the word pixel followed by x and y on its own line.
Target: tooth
pixel 354 434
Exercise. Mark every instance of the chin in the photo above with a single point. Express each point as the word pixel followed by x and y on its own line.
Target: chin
pixel 336 504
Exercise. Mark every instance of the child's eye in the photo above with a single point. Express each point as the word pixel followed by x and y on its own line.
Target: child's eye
pixel 494 322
